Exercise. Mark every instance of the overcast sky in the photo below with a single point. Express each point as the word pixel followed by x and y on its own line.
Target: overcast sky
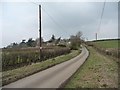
pixel 20 20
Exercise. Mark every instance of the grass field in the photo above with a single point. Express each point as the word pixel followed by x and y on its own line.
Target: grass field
pixel 98 71
pixel 107 43
pixel 15 74
pixel 107 47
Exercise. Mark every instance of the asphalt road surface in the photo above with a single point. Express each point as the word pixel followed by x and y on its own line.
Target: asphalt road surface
pixel 52 77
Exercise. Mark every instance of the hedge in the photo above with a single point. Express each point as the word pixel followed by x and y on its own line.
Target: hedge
pixel 17 58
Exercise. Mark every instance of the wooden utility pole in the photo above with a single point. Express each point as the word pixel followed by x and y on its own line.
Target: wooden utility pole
pixel 40 32
pixel 96 36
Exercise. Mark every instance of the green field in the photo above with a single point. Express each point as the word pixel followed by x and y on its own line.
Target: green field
pixel 108 47
pixel 99 71
pixel 107 43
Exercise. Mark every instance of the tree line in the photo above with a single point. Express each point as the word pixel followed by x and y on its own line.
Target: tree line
pixel 74 42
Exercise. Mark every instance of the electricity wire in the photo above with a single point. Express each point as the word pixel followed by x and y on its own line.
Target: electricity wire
pixel 60 26
pixel 99 25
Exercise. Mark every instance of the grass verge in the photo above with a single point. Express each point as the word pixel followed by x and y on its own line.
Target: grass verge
pixel 98 71
pixel 13 75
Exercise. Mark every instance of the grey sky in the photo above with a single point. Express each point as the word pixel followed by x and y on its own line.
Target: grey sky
pixel 20 20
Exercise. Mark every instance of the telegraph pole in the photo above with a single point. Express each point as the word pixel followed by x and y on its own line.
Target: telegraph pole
pixel 96 36
pixel 40 57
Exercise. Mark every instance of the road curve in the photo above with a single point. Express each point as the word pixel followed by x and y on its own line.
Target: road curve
pixel 52 77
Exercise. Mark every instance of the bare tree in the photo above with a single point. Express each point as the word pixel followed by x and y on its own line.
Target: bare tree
pixel 76 40
pixel 79 34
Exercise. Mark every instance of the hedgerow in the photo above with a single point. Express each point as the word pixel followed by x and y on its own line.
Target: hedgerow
pixel 12 59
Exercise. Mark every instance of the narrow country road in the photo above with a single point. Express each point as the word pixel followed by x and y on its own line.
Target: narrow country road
pixel 52 77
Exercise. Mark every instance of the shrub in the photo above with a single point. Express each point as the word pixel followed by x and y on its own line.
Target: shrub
pixel 14 59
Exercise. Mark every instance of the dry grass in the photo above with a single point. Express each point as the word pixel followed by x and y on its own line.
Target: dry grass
pixel 99 71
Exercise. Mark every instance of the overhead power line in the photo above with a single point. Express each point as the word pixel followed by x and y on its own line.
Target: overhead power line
pixel 52 19
pixel 99 26
pixel 59 25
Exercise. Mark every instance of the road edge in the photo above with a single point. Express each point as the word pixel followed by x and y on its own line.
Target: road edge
pixel 67 80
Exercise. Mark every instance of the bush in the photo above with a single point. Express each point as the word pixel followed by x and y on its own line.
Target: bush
pixel 61 45
pixel 18 58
